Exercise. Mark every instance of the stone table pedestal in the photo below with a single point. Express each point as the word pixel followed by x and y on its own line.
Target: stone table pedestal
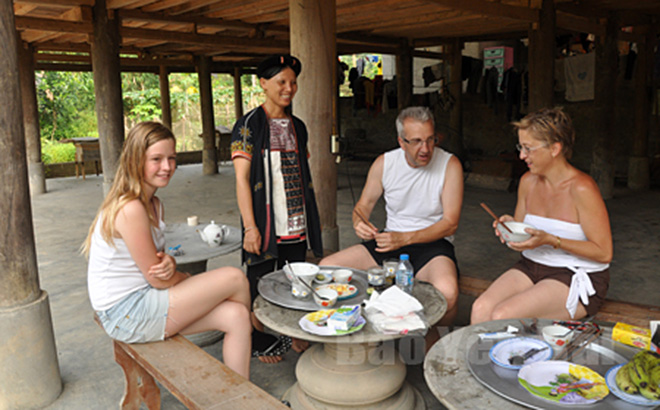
pixel 358 371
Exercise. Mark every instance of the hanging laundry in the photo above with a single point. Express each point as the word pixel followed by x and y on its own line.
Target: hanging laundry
pixel 579 73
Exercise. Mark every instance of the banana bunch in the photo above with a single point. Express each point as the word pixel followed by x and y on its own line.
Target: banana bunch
pixel 641 375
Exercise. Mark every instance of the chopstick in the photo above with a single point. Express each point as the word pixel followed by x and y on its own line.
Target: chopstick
pixel 363 219
pixel 579 343
pixel 484 206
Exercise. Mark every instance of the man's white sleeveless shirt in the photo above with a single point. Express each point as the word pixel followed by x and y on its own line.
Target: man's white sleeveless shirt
pixel 413 196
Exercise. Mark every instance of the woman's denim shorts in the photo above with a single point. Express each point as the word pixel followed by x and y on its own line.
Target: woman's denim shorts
pixel 139 317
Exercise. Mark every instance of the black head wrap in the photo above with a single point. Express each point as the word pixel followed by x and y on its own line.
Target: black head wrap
pixel 277 62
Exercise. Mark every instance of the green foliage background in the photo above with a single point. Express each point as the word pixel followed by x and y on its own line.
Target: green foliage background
pixel 67 106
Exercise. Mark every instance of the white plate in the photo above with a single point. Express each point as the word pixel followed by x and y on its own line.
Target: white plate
pixel 310 323
pixel 565 383
pixel 344 290
pixel 502 351
pixel 610 378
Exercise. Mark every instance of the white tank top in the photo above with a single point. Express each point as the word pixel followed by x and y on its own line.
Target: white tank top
pixel 112 273
pixel 413 196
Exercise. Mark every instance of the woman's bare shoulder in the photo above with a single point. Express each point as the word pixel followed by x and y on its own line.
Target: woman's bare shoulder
pixel 583 184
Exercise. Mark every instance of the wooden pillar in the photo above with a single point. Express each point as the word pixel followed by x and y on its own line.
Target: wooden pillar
pixel 238 93
pixel 638 163
pixel 313 41
pixel 36 174
pixel 107 90
pixel 607 58
pixel 29 371
pixel 542 46
pixel 404 76
pixel 209 153
pixel 165 105
pixel 455 56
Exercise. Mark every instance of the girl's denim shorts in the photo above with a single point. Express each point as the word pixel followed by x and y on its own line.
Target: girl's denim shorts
pixel 139 317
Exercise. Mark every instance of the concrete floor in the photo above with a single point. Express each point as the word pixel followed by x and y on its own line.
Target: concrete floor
pixel 91 378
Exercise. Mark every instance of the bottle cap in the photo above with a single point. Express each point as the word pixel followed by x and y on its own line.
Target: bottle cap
pixel 404 257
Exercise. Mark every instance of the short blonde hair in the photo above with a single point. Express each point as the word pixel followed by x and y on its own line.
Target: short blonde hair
pixel 129 179
pixel 550 125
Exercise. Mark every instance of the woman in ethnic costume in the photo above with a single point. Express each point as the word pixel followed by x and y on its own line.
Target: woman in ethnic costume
pixel 274 188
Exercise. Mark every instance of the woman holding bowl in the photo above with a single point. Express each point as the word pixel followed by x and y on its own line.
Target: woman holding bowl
pixel 274 189
pixel 564 268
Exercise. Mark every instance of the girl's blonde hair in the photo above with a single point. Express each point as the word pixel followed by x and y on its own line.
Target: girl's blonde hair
pixel 129 179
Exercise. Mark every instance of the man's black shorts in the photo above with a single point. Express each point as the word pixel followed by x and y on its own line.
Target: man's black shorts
pixel 420 253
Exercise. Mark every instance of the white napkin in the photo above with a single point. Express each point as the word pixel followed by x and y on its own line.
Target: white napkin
pixel 393 302
pixel 581 288
pixel 394 311
pixel 396 325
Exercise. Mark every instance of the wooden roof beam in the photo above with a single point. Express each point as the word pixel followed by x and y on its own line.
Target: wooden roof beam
pixel 438 41
pixel 42 24
pixel 589 9
pixel 488 8
pixel 208 39
pixel 137 15
pixel 57 3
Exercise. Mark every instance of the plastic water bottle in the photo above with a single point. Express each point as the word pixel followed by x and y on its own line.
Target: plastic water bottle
pixel 404 274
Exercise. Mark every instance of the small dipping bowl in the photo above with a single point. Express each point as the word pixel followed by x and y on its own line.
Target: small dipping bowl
pixel 518 229
pixel 327 293
pixel 557 335
pixel 342 275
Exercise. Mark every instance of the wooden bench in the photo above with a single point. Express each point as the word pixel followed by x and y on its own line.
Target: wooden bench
pixel 612 311
pixel 193 376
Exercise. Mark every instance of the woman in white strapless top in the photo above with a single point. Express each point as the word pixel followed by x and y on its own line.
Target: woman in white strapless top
pixel 564 268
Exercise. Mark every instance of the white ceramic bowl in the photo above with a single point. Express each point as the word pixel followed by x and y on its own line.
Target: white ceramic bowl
pixel 342 275
pixel 300 271
pixel 557 335
pixel 327 293
pixel 518 229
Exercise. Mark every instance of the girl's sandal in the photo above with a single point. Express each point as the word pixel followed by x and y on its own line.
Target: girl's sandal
pixel 278 347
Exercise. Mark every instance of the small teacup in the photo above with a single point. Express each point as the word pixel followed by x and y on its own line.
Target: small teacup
pixel 342 275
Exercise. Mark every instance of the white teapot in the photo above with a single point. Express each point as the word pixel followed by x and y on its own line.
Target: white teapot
pixel 213 234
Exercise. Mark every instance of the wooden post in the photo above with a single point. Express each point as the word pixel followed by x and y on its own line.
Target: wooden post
pixel 638 163
pixel 209 154
pixel 313 42
pixel 456 90
pixel 36 173
pixel 107 90
pixel 404 76
pixel 28 359
pixel 165 105
pixel 607 57
pixel 542 58
pixel 238 93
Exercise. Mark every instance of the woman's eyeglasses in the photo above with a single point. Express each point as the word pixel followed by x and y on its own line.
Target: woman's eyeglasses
pixel 528 150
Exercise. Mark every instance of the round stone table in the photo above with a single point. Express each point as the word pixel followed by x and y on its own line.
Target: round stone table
pixel 449 378
pixel 357 371
pixel 195 257
pixel 196 251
